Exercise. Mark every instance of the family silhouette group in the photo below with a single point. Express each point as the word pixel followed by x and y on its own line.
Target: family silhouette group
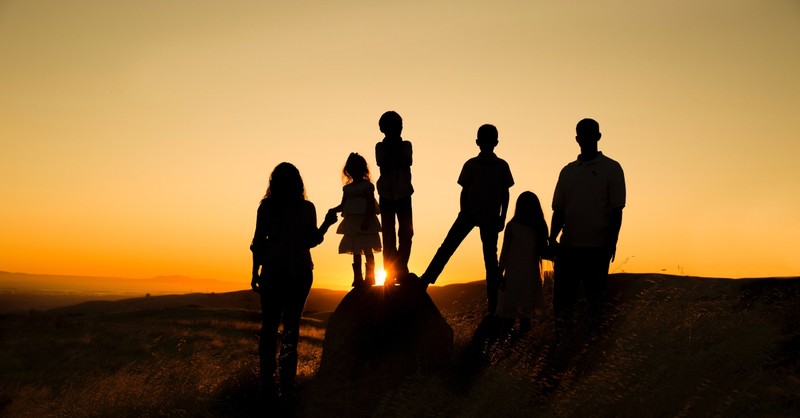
pixel 587 215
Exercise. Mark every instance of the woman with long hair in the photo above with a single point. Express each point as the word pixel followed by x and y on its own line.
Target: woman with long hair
pixel 282 269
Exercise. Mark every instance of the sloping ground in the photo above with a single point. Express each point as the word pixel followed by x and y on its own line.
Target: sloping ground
pixel 670 346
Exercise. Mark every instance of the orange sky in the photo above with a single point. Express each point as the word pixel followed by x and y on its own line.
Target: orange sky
pixel 137 137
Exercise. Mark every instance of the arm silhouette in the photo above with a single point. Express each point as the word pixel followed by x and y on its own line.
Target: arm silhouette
pixel 615 223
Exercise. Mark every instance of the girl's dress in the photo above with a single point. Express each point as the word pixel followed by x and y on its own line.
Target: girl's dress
pixel 356 196
pixel 523 274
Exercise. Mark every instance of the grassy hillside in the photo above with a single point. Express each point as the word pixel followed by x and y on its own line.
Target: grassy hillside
pixel 671 346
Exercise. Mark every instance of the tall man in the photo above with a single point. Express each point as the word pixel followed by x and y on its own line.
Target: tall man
pixel 587 211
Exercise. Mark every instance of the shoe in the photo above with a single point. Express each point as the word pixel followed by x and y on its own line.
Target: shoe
pixel 369 274
pixel 358 277
pixel 422 282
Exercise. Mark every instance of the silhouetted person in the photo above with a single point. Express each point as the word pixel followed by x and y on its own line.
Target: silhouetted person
pixel 587 211
pixel 360 224
pixel 286 229
pixel 394 157
pixel 485 181
pixel 524 246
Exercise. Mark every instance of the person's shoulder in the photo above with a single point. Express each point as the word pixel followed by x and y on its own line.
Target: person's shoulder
pixel 491 158
pixel 505 167
pixel 308 209
pixel 517 227
pixel 572 164
pixel 502 161
pixel 361 185
pixel 610 161
pixel 569 167
pixel 472 161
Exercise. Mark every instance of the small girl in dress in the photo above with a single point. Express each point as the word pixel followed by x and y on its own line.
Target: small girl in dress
pixel 360 225
pixel 524 245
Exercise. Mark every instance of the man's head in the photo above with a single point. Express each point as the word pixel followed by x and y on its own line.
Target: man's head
pixel 587 130
pixel 391 124
pixel 587 134
pixel 487 137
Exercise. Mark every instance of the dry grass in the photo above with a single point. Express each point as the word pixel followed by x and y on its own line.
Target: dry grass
pixel 156 363
pixel 669 347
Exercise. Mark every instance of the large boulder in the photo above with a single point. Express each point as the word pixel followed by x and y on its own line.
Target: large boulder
pixel 385 333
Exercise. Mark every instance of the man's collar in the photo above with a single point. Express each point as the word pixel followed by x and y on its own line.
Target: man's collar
pixel 593 159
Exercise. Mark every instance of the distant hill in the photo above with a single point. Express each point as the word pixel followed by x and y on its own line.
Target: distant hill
pixel 319 300
pixel 60 284
pixel 23 291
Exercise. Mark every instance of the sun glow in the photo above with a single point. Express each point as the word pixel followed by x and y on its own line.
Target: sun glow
pixel 380 277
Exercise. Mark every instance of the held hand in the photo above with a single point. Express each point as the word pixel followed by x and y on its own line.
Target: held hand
pixel 501 224
pixel 254 284
pixel 552 249
pixel 612 253
pixel 330 217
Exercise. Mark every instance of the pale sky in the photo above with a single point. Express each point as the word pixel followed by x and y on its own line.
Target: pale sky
pixel 137 137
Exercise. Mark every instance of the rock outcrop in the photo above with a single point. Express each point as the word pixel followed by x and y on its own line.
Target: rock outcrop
pixel 385 333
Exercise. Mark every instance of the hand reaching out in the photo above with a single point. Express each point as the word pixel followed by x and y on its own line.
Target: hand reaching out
pixel 330 217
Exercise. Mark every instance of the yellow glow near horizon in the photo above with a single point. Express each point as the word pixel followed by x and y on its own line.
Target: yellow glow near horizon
pixel 380 276
pixel 137 138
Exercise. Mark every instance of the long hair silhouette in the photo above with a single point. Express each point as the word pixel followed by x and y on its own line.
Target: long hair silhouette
pixel 285 183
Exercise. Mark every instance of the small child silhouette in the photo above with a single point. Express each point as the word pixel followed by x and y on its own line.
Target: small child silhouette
pixel 360 225
pixel 524 246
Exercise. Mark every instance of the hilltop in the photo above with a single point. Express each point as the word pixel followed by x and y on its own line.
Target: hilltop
pixel 671 346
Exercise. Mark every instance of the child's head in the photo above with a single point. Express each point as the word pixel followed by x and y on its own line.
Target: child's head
pixel 355 168
pixel 529 212
pixel 487 137
pixel 391 124
pixel 285 183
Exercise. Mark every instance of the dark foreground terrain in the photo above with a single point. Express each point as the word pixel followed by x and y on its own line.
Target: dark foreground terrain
pixel 670 346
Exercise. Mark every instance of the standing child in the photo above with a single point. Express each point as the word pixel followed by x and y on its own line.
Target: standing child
pixel 484 181
pixel 524 245
pixel 394 157
pixel 360 225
